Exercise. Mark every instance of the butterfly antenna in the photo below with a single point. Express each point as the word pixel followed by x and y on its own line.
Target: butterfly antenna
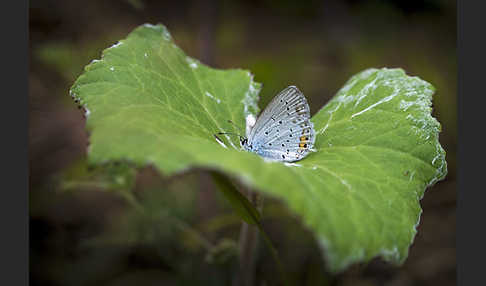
pixel 228 133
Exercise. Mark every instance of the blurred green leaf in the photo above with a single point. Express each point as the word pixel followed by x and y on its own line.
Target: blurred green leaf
pixel 377 146
pixel 238 202
pixel 110 176
pixel 222 252
pixel 65 57
pixel 137 4
pixel 62 57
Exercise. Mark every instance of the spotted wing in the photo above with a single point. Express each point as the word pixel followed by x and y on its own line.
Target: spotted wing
pixel 284 131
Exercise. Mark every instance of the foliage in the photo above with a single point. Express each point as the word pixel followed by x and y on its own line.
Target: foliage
pixel 377 146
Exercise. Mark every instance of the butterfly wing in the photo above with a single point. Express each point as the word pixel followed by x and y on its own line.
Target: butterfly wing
pixel 284 131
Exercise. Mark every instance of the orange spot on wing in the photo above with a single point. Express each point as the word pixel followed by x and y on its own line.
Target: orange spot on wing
pixel 303 140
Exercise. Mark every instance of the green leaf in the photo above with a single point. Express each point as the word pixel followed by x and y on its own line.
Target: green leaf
pixel 377 147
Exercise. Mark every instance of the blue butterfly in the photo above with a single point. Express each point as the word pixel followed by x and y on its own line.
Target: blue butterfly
pixel 283 131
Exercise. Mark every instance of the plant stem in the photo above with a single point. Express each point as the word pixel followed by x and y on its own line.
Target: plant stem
pixel 247 246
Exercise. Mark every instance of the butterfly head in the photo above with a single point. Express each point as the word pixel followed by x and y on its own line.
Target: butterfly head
pixel 245 145
pixel 243 140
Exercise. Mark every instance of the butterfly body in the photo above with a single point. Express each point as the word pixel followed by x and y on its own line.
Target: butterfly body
pixel 283 131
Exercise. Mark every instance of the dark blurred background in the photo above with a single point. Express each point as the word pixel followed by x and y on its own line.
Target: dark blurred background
pixel 112 225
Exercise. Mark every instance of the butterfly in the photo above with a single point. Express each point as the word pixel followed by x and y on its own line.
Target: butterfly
pixel 283 131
